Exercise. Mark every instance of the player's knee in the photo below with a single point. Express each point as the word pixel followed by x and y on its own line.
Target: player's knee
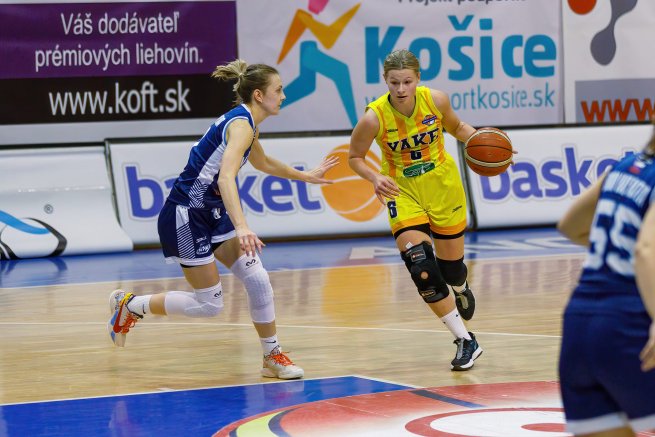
pixel 257 282
pixel 260 296
pixel 423 268
pixel 210 302
pixel 453 272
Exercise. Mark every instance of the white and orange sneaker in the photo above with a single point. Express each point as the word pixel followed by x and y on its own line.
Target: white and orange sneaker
pixel 278 365
pixel 122 318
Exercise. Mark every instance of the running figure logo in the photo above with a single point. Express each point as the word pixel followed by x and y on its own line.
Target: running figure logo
pixel 603 45
pixel 313 61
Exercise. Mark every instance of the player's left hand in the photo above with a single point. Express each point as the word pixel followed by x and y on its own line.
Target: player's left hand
pixel 249 241
pixel 315 176
pixel 647 354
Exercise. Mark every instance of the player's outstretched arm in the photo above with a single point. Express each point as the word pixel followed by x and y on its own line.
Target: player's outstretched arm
pixel 272 166
pixel 316 175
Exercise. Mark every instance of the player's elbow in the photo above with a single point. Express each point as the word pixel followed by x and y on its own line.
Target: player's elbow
pixel 573 232
pixel 564 228
pixel 224 179
pixel 353 162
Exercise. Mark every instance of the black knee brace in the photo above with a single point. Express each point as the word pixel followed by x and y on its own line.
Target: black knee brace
pixel 422 265
pixel 453 272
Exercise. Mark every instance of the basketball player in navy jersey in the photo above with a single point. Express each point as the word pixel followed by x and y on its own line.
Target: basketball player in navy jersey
pixel 608 339
pixel 202 219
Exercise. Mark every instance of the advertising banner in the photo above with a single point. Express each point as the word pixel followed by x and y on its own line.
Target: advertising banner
pixel 57 201
pixel 500 61
pixel 552 167
pixel 143 174
pixel 111 69
pixel 274 207
pixel 608 66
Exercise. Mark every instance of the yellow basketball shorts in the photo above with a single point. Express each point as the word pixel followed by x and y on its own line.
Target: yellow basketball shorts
pixel 436 198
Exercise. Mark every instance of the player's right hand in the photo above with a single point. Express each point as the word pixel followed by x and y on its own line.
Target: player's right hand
pixel 385 188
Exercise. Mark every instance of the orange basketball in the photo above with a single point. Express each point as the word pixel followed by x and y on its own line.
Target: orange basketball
pixel 488 151
pixel 350 196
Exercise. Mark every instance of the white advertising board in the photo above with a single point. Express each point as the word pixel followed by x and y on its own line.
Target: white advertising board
pixel 143 175
pixel 274 207
pixel 552 167
pixel 57 201
pixel 499 61
pixel 608 66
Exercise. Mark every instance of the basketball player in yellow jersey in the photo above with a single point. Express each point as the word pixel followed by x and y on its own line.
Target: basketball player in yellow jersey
pixel 422 189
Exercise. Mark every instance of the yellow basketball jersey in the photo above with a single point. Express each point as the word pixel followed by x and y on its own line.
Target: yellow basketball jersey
pixel 408 142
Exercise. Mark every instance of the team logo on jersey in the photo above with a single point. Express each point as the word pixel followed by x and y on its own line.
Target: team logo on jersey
pixel 429 119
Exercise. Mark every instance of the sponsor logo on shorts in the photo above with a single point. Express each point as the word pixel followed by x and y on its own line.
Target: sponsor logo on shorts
pixel 203 249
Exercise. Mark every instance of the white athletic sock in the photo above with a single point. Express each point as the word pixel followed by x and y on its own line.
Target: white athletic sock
pixel 454 323
pixel 140 304
pixel 268 344
pixel 460 288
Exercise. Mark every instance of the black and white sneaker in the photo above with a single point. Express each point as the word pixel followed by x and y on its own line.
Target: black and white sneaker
pixel 467 352
pixel 465 302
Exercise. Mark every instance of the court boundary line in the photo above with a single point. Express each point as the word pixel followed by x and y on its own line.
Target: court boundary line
pixel 171 390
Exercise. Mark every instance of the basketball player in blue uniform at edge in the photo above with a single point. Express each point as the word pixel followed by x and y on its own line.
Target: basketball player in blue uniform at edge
pixel 607 357
pixel 202 219
pixel 421 187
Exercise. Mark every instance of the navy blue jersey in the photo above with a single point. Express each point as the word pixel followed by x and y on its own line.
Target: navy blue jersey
pixel 197 186
pixel 607 284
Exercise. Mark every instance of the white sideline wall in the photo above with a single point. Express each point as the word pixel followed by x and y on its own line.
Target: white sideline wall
pixel 57 201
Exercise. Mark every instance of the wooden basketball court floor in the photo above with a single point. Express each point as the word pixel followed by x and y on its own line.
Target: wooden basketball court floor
pixel 347 312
